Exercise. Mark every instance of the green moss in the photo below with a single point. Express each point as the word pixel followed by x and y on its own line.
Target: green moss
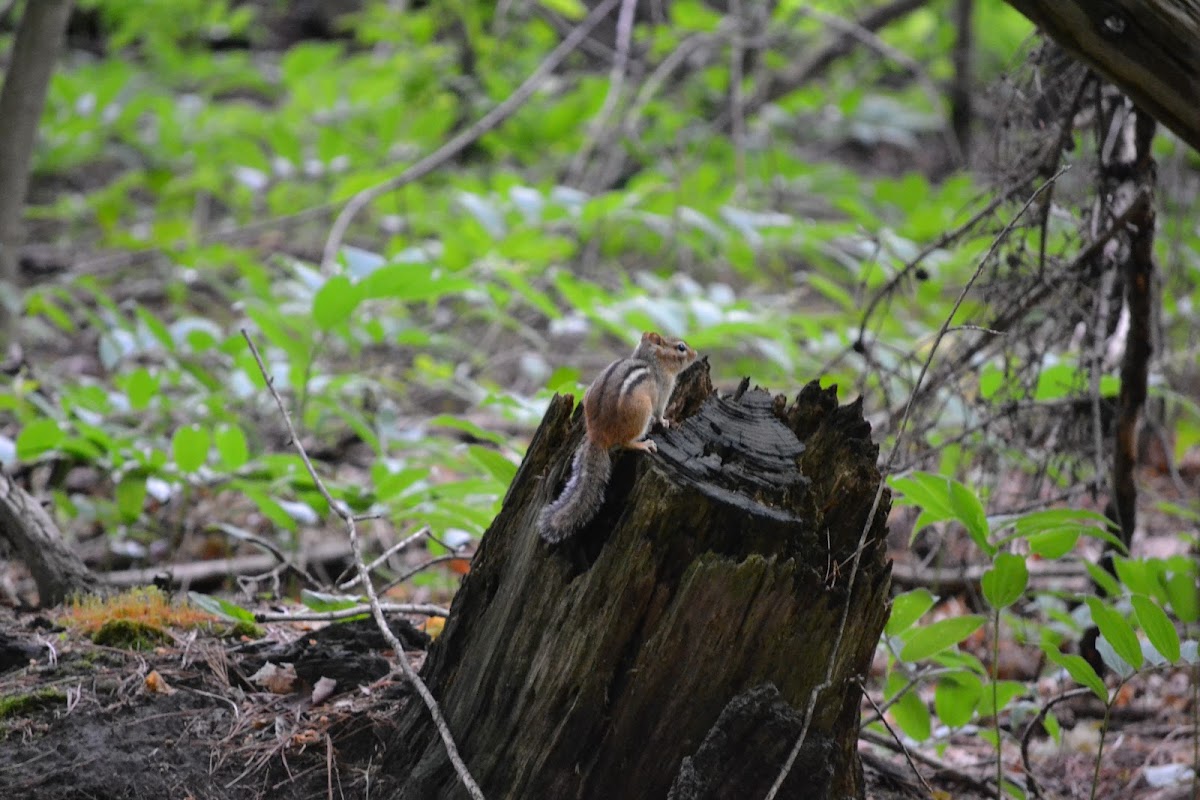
pixel 16 705
pixel 246 629
pixel 130 634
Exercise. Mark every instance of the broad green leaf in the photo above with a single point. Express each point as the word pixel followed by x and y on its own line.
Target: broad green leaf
pixel 140 388
pixel 1158 627
pixel 1138 574
pixel 231 446
pixel 1006 691
pixel 910 712
pixel 266 504
pixel 1080 670
pixel 1184 595
pixel 969 511
pixel 937 636
pixel 907 608
pixel 1117 631
pixel 1005 581
pixel 1054 543
pixel 130 494
pixel 322 601
pixel 497 465
pixel 189 447
pixel 1103 578
pixel 1114 662
pixel 335 302
pixel 220 608
pixel 941 498
pixel 956 697
pixel 38 437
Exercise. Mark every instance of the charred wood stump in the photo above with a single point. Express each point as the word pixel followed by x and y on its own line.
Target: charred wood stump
pixel 682 628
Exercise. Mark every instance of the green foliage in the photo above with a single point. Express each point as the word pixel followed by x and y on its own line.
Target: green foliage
pixel 1136 631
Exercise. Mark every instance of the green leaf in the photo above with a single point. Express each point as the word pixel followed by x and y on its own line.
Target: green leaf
pixel 411 283
pixel 937 636
pixel 1006 691
pixel 189 447
pixel 969 511
pixel 1184 595
pixel 1053 728
pixel 571 9
pixel 907 608
pixel 1158 627
pixel 910 712
pixel 38 437
pixel 1138 574
pixel 1117 631
pixel 956 697
pixel 335 302
pixel 220 608
pixel 322 601
pixel 1004 583
pixel 140 388
pixel 497 465
pixel 267 505
pixel 941 498
pixel 1080 670
pixel 1053 544
pixel 130 494
pixel 1103 578
pixel 231 446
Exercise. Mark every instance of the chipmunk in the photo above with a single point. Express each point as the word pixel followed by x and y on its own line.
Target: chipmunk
pixel 619 407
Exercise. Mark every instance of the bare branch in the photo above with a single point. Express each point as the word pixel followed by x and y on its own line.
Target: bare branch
pixel 458 143
pixel 342 511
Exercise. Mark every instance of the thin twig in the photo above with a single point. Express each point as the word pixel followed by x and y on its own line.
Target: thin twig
pixel 391 551
pixel 979 785
pixel 872 41
pixel 899 743
pixel 424 565
pixel 616 88
pixel 347 517
pixel 347 613
pixel 458 143
pixel 831 662
pixel 1031 782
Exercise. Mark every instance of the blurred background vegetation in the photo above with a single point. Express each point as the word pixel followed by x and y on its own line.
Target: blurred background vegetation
pixel 773 181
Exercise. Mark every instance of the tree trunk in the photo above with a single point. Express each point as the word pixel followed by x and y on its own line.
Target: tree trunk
pixel 21 99
pixel 702 603
pixel 1149 48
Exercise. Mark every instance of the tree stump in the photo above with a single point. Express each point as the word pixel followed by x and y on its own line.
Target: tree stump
pixel 695 612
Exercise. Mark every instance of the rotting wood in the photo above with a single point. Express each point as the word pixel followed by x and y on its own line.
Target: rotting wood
pixel 715 569
pixel 57 570
pixel 1149 48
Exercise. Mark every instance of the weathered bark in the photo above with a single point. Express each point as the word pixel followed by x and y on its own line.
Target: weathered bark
pixel 716 571
pixel 57 570
pixel 21 99
pixel 1149 48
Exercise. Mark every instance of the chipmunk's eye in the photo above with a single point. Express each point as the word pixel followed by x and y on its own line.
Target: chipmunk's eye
pixel 681 347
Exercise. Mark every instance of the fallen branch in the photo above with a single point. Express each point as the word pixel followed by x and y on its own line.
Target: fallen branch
pixel 202 571
pixel 347 613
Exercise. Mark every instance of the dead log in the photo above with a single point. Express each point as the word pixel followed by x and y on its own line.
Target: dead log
pixel 1149 48
pixel 703 600
pixel 56 568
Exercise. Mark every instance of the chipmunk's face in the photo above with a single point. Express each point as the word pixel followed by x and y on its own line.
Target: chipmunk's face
pixel 670 351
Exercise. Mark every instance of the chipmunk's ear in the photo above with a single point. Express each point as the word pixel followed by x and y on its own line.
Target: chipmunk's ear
pixel 652 337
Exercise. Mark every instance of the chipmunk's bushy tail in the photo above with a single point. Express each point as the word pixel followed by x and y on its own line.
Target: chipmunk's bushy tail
pixel 582 496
